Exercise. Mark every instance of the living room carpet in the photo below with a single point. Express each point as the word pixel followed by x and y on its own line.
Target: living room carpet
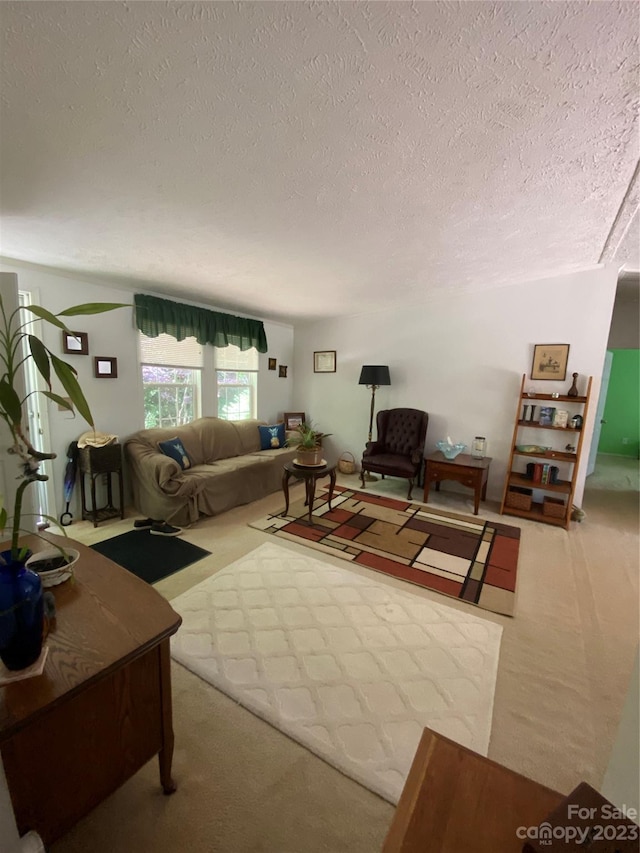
pixel 463 556
pixel 346 665
pixel 150 557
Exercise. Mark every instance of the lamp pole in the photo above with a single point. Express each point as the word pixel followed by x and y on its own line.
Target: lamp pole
pixel 374 388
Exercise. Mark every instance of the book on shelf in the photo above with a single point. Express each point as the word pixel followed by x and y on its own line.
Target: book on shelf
pixel 545 473
pixel 546 415
pixel 537 472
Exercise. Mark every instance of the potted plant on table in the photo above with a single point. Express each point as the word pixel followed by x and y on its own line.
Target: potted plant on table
pixel 308 442
pixel 21 604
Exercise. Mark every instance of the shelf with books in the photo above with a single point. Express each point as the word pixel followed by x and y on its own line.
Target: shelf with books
pixel 544 491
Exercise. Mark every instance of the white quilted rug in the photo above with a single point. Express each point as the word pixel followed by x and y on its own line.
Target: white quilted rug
pixel 351 668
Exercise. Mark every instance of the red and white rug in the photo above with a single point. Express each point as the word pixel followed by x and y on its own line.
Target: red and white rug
pixel 463 556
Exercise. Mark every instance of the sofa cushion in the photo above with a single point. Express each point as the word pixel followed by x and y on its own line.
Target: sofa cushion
pixel 271 436
pixel 174 448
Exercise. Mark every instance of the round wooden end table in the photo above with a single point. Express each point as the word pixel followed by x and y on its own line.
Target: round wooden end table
pixel 310 474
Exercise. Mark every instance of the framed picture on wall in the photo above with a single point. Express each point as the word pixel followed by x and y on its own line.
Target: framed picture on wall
pixel 324 361
pixel 550 361
pixel 75 343
pixel 272 364
pixel 105 367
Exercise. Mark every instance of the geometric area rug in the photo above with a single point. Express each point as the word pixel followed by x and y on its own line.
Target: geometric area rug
pixel 347 665
pixel 463 556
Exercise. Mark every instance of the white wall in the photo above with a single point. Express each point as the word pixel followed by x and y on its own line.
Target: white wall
pixel 116 404
pixel 461 359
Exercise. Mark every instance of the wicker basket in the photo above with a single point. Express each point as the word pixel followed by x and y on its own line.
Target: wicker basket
pixel 519 498
pixel 554 506
pixel 347 465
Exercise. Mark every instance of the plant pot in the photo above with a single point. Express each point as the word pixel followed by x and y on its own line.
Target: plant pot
pixel 21 614
pixel 52 566
pixel 311 457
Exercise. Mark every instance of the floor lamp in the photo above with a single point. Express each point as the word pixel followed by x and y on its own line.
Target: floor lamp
pixel 373 376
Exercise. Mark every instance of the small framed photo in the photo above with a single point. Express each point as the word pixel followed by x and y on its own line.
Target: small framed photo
pixel 324 361
pixel 550 361
pixel 282 371
pixel 272 364
pixel 292 420
pixel 561 418
pixel 75 343
pixel 105 367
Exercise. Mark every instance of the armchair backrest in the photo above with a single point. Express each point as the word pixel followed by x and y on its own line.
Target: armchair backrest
pixel 402 431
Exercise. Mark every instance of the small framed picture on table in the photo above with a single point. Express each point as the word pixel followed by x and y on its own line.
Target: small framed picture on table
pixel 292 420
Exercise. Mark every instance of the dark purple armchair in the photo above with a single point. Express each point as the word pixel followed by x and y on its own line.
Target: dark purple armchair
pixel 399 450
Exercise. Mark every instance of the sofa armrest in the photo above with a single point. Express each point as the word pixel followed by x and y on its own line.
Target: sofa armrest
pixel 157 471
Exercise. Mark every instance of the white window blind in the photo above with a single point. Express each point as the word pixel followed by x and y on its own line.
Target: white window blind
pixel 233 358
pixel 166 350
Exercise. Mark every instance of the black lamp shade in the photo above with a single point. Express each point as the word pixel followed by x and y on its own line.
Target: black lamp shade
pixel 374 374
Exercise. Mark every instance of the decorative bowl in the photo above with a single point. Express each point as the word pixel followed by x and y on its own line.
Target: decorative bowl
pixel 450 451
pixel 46 564
pixel 531 448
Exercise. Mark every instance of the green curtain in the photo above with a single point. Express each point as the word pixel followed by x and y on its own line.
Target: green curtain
pixel 156 316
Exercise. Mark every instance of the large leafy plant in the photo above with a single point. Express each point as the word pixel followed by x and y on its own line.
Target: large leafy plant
pixel 306 437
pixel 17 344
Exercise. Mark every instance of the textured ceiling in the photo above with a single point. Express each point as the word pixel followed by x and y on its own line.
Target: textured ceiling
pixel 305 159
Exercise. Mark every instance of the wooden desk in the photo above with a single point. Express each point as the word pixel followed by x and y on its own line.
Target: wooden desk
pixel 102 707
pixel 463 469
pixel 456 801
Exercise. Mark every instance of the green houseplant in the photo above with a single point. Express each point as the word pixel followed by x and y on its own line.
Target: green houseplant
pixel 21 607
pixel 308 442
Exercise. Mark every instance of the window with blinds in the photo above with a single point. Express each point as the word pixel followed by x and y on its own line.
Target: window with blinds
pixel 237 382
pixel 171 378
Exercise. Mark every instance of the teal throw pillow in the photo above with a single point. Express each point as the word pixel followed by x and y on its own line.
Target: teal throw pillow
pixel 271 436
pixel 174 448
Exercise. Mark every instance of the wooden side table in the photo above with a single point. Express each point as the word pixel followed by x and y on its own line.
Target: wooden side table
pixel 94 461
pixel 463 469
pixel 310 475
pixel 456 801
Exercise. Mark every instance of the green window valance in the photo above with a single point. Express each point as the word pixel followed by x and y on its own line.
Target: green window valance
pixel 156 316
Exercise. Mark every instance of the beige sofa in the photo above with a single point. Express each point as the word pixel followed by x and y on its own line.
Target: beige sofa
pixel 228 469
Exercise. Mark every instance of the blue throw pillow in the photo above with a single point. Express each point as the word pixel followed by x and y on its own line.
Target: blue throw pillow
pixel 175 449
pixel 271 436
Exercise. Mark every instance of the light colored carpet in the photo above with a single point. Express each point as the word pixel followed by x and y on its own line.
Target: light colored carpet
pixel 346 666
pixel 244 787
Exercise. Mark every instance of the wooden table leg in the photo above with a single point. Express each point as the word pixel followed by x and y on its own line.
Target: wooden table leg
pixel 311 484
pixel 285 489
pixel 425 497
pixel 477 487
pixel 94 505
pixel 165 756
pixel 332 482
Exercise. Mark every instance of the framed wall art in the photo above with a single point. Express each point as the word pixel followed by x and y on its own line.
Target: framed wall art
pixel 272 364
pixel 324 361
pixel 105 367
pixel 292 420
pixel 282 371
pixel 550 361
pixel 75 343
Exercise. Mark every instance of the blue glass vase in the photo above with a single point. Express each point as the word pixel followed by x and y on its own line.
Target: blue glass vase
pixel 21 613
